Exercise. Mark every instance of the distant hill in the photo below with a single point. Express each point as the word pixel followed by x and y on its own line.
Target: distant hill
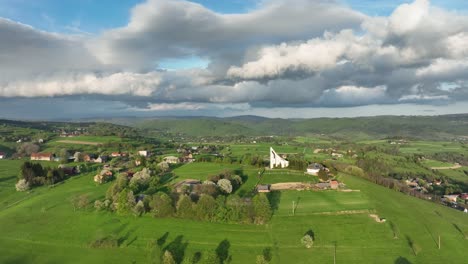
pixel 424 127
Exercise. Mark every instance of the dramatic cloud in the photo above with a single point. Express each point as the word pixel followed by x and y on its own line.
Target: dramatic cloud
pixel 295 53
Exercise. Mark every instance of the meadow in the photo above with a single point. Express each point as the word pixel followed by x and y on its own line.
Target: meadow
pixel 42 226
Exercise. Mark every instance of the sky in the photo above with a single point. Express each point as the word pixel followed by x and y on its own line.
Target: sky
pixel 274 58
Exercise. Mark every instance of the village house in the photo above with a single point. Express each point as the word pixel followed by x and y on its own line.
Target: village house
pixel 42 156
pixel 89 157
pixel 118 154
pixel 2 155
pixel 188 158
pixel 334 185
pixel 464 196
pixel 314 168
pixel 103 176
pixel 171 159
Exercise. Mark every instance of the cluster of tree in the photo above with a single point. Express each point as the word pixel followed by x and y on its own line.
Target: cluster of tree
pixel 451 157
pixel 34 174
pixel 254 160
pixel 124 197
pixel 207 208
pixel 26 149
pixel 297 163
pixel 227 181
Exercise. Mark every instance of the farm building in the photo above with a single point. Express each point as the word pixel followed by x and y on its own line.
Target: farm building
pixel 42 156
pixel 171 159
pixel 265 188
pixel 323 185
pixel 276 160
pixel 187 184
pixel 2 155
pixel 314 168
pixel 450 198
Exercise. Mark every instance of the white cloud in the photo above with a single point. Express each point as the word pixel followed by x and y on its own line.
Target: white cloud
pixel 281 54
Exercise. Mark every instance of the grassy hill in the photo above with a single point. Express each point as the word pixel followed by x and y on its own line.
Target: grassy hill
pixel 42 227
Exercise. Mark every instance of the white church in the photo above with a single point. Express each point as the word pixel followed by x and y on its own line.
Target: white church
pixel 276 161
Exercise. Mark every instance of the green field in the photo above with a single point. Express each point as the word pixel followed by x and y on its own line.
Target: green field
pixel 435 163
pixel 277 176
pixel 42 227
pixel 202 170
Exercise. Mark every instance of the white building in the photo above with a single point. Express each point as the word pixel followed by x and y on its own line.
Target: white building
pixel 2 155
pixel 276 160
pixel 143 153
pixel 313 169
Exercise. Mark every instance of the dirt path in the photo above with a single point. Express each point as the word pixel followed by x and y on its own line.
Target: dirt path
pixel 78 142
pixel 454 167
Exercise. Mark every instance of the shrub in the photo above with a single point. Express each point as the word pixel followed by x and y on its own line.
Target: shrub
pixel 105 242
pixel 22 185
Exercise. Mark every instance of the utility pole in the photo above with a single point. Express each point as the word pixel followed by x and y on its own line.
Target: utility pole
pixel 334 255
pixel 294 207
pixel 439 241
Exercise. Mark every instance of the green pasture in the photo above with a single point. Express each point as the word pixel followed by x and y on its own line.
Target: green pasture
pixel 277 176
pixel 42 227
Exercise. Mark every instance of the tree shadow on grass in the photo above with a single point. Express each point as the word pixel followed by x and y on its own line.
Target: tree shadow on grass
pixel 311 233
pixel 267 254
pixel 402 260
pixel 162 240
pixel 274 198
pixel 222 251
pixel 413 246
pixel 196 257
pixel 177 248
pixel 7 178
pixel 459 230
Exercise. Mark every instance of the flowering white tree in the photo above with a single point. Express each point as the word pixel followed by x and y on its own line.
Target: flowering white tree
pixel 22 185
pixel 225 185
pixel 307 241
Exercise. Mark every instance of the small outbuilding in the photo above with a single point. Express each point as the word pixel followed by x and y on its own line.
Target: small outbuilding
pixel 263 188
